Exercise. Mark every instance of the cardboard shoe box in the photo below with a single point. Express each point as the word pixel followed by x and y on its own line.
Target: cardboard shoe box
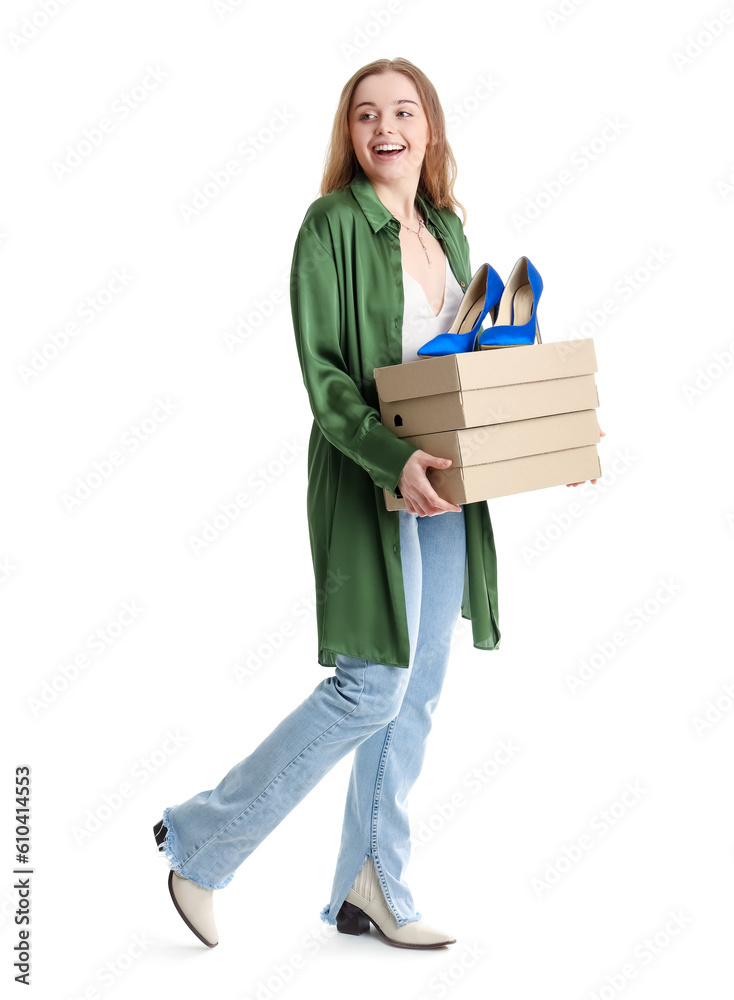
pixel 511 420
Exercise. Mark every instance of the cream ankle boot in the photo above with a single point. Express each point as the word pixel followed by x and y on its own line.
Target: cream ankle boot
pixel 365 903
pixel 195 906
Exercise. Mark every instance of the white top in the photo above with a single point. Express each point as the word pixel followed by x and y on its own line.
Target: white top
pixel 420 324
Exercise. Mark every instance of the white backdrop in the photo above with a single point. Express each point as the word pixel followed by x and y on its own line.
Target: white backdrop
pixel 149 353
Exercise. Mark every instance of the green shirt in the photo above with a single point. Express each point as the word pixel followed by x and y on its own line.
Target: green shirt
pixel 346 293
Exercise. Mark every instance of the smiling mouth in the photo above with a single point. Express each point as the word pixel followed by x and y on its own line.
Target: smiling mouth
pixel 388 150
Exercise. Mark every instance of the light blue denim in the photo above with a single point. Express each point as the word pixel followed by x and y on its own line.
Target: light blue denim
pixel 382 712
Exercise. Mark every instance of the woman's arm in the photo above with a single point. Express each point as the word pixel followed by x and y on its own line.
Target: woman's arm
pixel 340 411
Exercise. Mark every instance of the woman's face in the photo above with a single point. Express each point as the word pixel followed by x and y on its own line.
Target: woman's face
pixel 386 109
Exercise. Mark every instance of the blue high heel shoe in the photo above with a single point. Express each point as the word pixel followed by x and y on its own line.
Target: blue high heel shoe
pixel 480 299
pixel 517 320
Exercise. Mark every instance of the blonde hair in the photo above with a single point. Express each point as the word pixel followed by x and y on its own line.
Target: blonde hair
pixel 438 172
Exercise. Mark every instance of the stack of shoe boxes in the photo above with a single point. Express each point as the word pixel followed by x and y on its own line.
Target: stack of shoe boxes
pixel 511 419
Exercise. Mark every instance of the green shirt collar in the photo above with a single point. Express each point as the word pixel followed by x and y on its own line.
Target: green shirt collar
pixel 378 215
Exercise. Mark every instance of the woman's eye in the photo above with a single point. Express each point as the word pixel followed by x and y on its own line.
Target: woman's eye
pixel 370 114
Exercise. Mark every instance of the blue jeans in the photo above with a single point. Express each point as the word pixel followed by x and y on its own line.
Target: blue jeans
pixel 381 712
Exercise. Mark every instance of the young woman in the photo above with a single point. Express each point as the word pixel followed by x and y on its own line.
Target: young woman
pixel 380 266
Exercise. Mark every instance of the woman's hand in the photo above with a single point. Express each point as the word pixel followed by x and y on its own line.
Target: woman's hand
pixel 420 497
pixel 601 434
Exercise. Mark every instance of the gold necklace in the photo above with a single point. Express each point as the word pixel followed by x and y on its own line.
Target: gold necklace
pixel 421 225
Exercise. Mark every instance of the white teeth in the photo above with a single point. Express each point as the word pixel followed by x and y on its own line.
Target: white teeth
pixel 387 145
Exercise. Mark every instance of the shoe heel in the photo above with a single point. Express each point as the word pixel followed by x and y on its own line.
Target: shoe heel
pixel 517 317
pixel 160 832
pixel 479 300
pixel 351 920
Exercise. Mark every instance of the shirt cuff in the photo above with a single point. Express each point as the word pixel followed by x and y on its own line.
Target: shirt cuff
pixel 384 455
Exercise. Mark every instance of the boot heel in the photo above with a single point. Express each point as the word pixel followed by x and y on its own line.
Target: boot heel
pixel 351 920
pixel 160 832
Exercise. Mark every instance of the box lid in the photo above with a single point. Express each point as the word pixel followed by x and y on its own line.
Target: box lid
pixel 499 442
pixel 486 368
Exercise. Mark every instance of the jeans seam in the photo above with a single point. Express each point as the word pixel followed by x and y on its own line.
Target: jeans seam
pixel 282 771
pixel 375 812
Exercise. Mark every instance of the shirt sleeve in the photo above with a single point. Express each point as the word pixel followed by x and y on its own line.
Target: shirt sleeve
pixel 341 412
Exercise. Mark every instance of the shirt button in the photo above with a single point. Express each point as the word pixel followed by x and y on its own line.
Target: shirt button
pixel 395 548
pixel 398 281
pixel 462 283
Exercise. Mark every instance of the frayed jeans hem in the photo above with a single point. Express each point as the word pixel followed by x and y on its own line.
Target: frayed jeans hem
pixel 169 850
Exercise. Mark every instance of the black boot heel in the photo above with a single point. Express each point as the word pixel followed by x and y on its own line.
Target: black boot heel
pixel 351 920
pixel 160 831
